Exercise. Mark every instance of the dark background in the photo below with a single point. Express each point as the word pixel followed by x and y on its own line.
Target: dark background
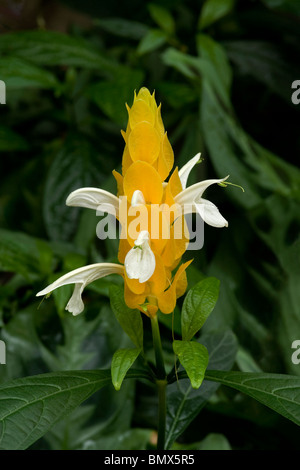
pixel 224 79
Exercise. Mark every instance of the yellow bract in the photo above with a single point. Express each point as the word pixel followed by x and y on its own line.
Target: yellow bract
pixel 147 161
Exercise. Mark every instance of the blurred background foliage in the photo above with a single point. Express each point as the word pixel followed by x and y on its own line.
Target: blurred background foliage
pixel 223 71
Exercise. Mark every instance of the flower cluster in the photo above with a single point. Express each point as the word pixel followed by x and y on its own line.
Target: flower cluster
pixel 150 206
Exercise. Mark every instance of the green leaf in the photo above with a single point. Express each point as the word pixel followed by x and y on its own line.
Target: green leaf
pixel 194 358
pixel 222 148
pixel 121 362
pixel 217 56
pixel 213 10
pixel 130 320
pixel 152 41
pixel 182 62
pixel 198 305
pixel 19 74
pixel 265 63
pixel 53 48
pixel 177 94
pixel 279 392
pixel 122 27
pixel 23 254
pixel 162 17
pixel 30 406
pixel 184 402
pixel 73 167
pixel 112 95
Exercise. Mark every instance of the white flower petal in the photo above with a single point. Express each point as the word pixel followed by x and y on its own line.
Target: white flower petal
pixel 143 237
pixel 81 277
pixel 75 304
pixel 140 260
pixel 94 198
pixel 194 192
pixel 210 214
pixel 137 198
pixel 186 169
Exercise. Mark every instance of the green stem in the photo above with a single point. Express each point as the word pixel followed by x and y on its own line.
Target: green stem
pixel 160 365
pixel 161 383
pixel 162 411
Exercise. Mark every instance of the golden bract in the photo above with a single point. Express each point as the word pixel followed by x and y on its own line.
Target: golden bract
pixel 147 161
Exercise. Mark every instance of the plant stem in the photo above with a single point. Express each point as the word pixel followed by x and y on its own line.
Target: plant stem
pixel 160 365
pixel 161 383
pixel 162 410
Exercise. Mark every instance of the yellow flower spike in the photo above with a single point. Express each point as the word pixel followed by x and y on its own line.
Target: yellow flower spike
pixel 158 281
pixel 143 94
pixel 119 179
pixel 133 300
pixel 159 122
pixel 126 160
pixel 135 286
pixel 145 136
pixel 175 183
pixel 167 300
pixel 144 143
pixel 147 261
pixel 124 247
pixel 177 244
pixel 143 177
pixel 140 112
pixel 166 158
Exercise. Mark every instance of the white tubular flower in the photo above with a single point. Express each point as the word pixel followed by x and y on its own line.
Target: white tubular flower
pixel 81 277
pixel 140 260
pixel 186 169
pixel 190 199
pixel 94 198
pixel 137 198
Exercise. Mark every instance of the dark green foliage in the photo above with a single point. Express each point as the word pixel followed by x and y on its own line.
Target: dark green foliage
pixel 223 71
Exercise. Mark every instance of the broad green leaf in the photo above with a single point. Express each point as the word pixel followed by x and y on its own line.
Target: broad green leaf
pixel 162 17
pixel 213 10
pixel 265 63
pixel 245 361
pixel 279 392
pixel 111 95
pixel 177 94
pixel 195 68
pixel 18 73
pixel 53 48
pixel 73 167
pixel 222 148
pixel 21 253
pixel 30 406
pixel 183 402
pixel 214 52
pixel 130 320
pixel 283 239
pixel 194 358
pixel 182 62
pixel 90 425
pixel 151 41
pixel 198 305
pixel 121 362
pixel 122 27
